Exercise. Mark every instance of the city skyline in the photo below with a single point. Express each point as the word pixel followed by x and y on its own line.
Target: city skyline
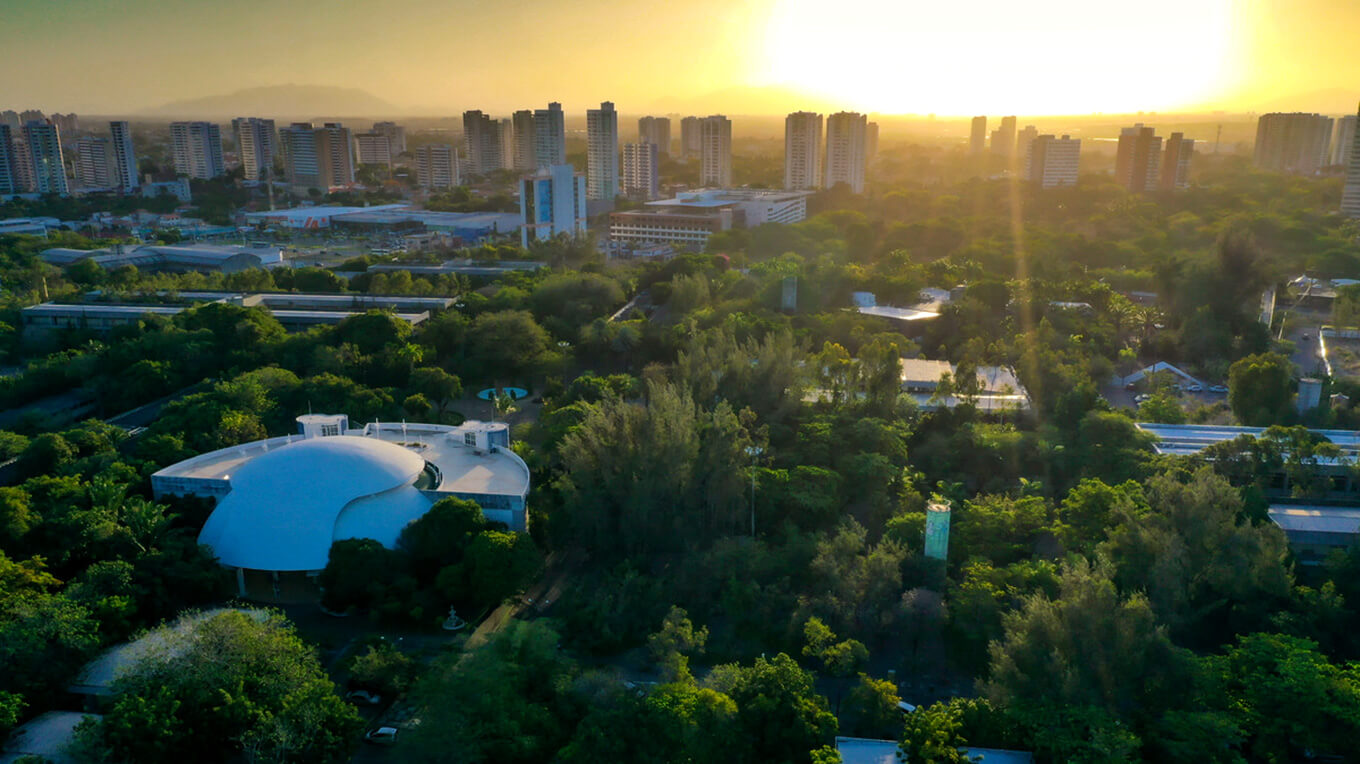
pixel 738 58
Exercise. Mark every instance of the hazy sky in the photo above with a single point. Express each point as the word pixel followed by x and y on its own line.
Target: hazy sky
pixel 951 57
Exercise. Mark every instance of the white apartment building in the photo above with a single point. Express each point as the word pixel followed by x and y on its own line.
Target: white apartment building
pixel 691 217
pixel 396 136
pixel 641 170
pixel 602 152
pixel 550 136
pixel 1297 143
pixel 318 157
pixel 45 158
pixel 125 159
pixel 1176 154
pixel 96 166
pixel 656 130
pixel 373 148
pixel 522 155
pixel 482 136
pixel 845 145
pixel 802 150
pixel 552 202
pixel 256 143
pixel 437 166
pixel 197 149
pixel 9 161
pixel 1052 162
pixel 715 151
pixel 1343 139
pixel 507 127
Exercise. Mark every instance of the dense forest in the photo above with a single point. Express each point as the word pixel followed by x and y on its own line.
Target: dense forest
pixel 736 494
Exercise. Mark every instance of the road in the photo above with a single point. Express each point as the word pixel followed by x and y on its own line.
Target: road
pixel 1307 347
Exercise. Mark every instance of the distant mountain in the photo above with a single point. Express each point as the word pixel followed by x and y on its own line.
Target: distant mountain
pixel 767 99
pixel 1329 101
pixel 280 101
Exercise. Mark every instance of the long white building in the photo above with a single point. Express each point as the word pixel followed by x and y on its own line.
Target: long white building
pixel 197 149
pixel 125 158
pixel 602 152
pixel 1296 143
pixel 715 151
pixel 1052 162
pixel 95 166
pixel 845 145
pixel 802 150
pixel 256 143
pixel 691 217
pixel 641 170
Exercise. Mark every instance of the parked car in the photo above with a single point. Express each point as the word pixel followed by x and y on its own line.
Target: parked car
pixel 1218 389
pixel 1142 397
pixel 1195 389
pixel 363 697
pixel 381 736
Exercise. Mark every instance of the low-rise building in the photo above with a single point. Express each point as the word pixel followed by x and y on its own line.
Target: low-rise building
pixel 174 258
pixel 998 388
pixel 691 217
pixel 1316 531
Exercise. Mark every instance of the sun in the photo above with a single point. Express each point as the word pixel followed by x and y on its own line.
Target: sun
pixel 999 56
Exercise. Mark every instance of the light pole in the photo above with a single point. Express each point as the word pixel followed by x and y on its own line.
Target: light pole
pixel 754 452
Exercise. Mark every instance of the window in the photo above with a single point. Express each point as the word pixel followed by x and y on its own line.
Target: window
pixel 470 439
pixel 330 429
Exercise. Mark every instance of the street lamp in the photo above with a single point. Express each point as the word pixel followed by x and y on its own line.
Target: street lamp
pixel 754 452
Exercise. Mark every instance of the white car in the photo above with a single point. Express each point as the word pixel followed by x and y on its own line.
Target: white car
pixel 1218 389
pixel 364 697
pixel 1194 389
pixel 1142 398
pixel 381 736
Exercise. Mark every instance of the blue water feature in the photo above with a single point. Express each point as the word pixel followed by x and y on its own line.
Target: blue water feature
pixel 515 393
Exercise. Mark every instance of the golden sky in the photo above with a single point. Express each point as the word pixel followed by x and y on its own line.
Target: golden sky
pixel 950 57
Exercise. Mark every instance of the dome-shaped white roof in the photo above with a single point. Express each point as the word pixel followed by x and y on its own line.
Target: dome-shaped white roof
pixel 282 512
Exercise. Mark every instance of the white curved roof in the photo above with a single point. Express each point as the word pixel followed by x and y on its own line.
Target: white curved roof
pixel 287 506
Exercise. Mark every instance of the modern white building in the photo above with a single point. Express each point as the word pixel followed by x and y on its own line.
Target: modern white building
pixel 45 157
pixel 1350 193
pixel 1052 162
pixel 802 150
pixel 482 138
pixel 690 140
pixel 641 170
pixel 95 166
pixel 550 136
pixel 602 152
pixel 715 151
pixel 256 144
pixel 690 218
pixel 522 154
pixel 373 148
pixel 1176 154
pixel 125 159
pixel 1343 140
pixel 1297 142
pixel 656 130
pixel 552 202
pixel 197 149
pixel 396 136
pixel 845 158
pixel 282 502
pixel 437 166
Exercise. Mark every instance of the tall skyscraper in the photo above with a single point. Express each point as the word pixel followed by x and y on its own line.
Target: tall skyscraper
pixel 523 153
pixel 45 157
pixel 1022 140
pixel 125 159
pixel 870 142
pixel 977 139
pixel 1176 155
pixel 1137 163
pixel 1003 138
pixel 1052 162
pixel 715 151
pixel 802 150
pixel 656 130
pixel 31 115
pixel 67 124
pixel 690 140
pixel 1343 139
pixel 318 157
pixel 256 144
pixel 550 136
pixel 602 152
pixel 96 167
pixel 641 170
pixel 482 136
pixel 845 159
pixel 552 202
pixel 9 162
pixel 197 149
pixel 396 136
pixel 10 117
pixel 1350 193
pixel 436 166
pixel 1296 143
pixel 507 139
pixel 373 148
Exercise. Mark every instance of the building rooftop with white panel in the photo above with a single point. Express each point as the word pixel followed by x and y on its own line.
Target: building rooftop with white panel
pixel 692 216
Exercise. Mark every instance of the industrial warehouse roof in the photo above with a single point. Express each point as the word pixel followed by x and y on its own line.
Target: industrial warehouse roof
pixel 1185 439
pixel 1316 519
pixel 288 505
